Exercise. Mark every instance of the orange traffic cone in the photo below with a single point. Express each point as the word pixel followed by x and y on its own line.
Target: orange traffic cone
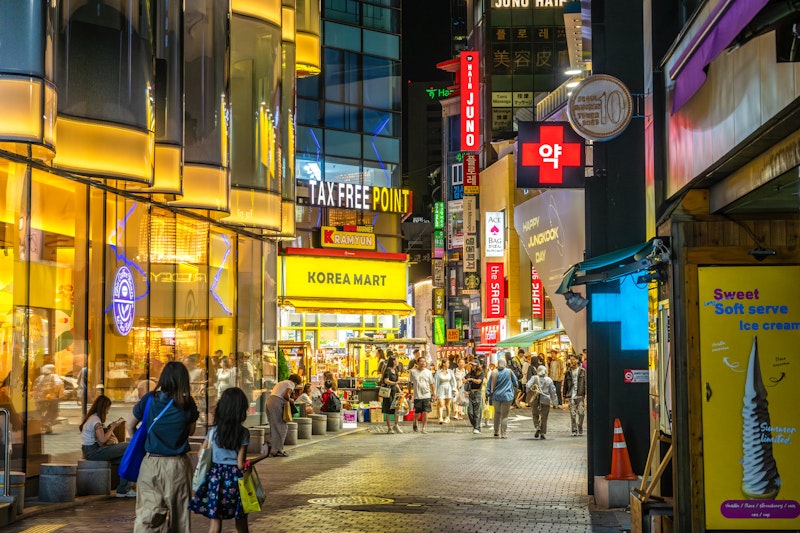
pixel 620 461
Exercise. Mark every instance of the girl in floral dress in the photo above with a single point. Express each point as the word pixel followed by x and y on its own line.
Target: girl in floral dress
pixel 217 498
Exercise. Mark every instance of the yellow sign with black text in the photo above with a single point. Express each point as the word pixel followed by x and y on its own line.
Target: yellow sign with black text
pixel 342 278
pixel 331 237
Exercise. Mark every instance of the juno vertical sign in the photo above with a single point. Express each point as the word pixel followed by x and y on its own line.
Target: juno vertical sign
pixel 470 96
pixel 495 291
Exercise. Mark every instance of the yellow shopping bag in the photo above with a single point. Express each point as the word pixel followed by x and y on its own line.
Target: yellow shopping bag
pixel 488 412
pixel 251 492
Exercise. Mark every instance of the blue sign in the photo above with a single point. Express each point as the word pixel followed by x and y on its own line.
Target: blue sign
pixel 123 305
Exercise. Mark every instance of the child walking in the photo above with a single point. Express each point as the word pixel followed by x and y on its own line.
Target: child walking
pixel 217 498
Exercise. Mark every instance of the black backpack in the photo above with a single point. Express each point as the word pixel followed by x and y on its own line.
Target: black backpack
pixel 332 404
pixel 516 369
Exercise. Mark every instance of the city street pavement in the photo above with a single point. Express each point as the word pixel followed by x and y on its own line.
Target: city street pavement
pixel 448 480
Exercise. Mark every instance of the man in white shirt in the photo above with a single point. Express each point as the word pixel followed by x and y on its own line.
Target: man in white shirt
pixel 421 387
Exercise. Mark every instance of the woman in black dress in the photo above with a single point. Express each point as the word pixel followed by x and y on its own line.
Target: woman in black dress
pixel 390 379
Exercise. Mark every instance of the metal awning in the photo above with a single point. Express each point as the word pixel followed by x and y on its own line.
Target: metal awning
pixel 616 264
pixel 350 307
pixel 528 338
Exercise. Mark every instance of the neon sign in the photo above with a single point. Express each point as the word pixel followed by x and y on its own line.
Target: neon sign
pixel 551 155
pixel 470 117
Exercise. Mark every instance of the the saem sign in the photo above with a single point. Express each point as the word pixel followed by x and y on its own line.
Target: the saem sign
pixel 470 116
pixel 495 291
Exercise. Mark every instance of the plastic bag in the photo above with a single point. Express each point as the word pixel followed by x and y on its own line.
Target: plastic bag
pixel 251 492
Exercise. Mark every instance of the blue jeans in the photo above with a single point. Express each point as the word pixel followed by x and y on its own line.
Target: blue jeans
pixel 112 454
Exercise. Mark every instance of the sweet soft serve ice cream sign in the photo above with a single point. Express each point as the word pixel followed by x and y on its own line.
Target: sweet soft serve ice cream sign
pixel 749 338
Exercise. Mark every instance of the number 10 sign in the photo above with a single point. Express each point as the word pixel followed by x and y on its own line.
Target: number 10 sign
pixel 600 108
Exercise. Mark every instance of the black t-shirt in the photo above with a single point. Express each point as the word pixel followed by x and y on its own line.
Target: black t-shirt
pixel 475 375
pixel 170 435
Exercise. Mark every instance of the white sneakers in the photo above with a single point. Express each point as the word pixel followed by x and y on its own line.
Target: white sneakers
pixel 130 494
pixel 398 430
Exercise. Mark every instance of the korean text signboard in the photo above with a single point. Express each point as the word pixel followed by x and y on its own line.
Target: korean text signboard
pixel 750 375
pixel 469 82
pixel 537 294
pixel 495 234
pixel 471 174
pixel 551 155
pixel 495 290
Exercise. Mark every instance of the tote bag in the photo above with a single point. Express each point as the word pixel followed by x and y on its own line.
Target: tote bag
pixel 134 454
pixel 204 460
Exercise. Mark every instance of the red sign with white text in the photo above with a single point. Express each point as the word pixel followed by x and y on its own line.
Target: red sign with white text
pixel 551 155
pixel 469 84
pixel 471 174
pixel 490 332
pixel 495 291
pixel 537 294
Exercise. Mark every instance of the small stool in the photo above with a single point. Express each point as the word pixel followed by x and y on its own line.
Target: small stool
pixel 334 421
pixel 303 427
pixel 57 482
pixel 16 488
pixel 256 440
pixel 92 477
pixel 291 433
pixel 319 424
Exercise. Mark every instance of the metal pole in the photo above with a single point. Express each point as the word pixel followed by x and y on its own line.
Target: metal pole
pixel 6 466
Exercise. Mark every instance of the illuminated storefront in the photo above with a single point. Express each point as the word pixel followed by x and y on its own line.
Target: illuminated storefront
pixel 330 296
pixel 124 246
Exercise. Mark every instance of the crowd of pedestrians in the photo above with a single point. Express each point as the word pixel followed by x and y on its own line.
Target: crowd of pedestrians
pixel 464 387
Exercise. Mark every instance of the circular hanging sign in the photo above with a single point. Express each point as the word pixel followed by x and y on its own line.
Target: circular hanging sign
pixel 123 302
pixel 600 107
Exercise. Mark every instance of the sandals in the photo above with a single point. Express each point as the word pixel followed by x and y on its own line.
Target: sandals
pixel 280 454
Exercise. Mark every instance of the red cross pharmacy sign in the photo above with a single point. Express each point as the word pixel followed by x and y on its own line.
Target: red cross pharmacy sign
pixel 551 155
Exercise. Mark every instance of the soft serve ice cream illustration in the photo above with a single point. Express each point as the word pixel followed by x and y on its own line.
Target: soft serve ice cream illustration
pixel 760 478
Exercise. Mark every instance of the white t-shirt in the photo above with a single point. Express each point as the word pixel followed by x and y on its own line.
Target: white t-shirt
pixel 281 387
pixel 421 383
pixel 89 435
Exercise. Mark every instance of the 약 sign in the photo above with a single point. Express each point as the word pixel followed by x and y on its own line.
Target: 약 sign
pixel 551 155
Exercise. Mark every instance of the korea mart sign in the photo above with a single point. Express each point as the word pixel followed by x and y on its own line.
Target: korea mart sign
pixel 342 278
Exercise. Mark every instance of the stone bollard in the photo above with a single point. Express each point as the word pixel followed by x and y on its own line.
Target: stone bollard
pixel 334 421
pixel 319 424
pixel 57 482
pixel 303 427
pixel 16 488
pixel 256 440
pixel 92 477
pixel 291 433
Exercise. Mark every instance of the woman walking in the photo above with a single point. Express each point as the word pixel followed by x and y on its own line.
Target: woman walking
pixel 98 442
pixel 500 389
pixel 445 387
pixel 165 477
pixel 281 393
pixel 217 498
pixel 390 378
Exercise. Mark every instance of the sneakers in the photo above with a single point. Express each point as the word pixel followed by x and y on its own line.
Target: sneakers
pixel 476 431
pixel 389 431
pixel 130 494
pixel 538 434
pixel 416 429
pixel 574 433
pixel 398 430
pixel 447 420
pixel 424 431
pixel 542 437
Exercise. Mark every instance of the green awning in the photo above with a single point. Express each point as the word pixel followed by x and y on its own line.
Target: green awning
pixel 528 338
pixel 615 264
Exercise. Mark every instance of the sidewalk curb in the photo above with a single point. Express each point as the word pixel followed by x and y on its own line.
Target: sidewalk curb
pixel 35 508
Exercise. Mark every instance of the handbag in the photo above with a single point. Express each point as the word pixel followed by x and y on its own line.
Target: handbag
pixel 397 401
pixel 287 411
pixel 204 461
pixel 134 453
pixel 385 392
pixel 251 492
pixel 534 391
